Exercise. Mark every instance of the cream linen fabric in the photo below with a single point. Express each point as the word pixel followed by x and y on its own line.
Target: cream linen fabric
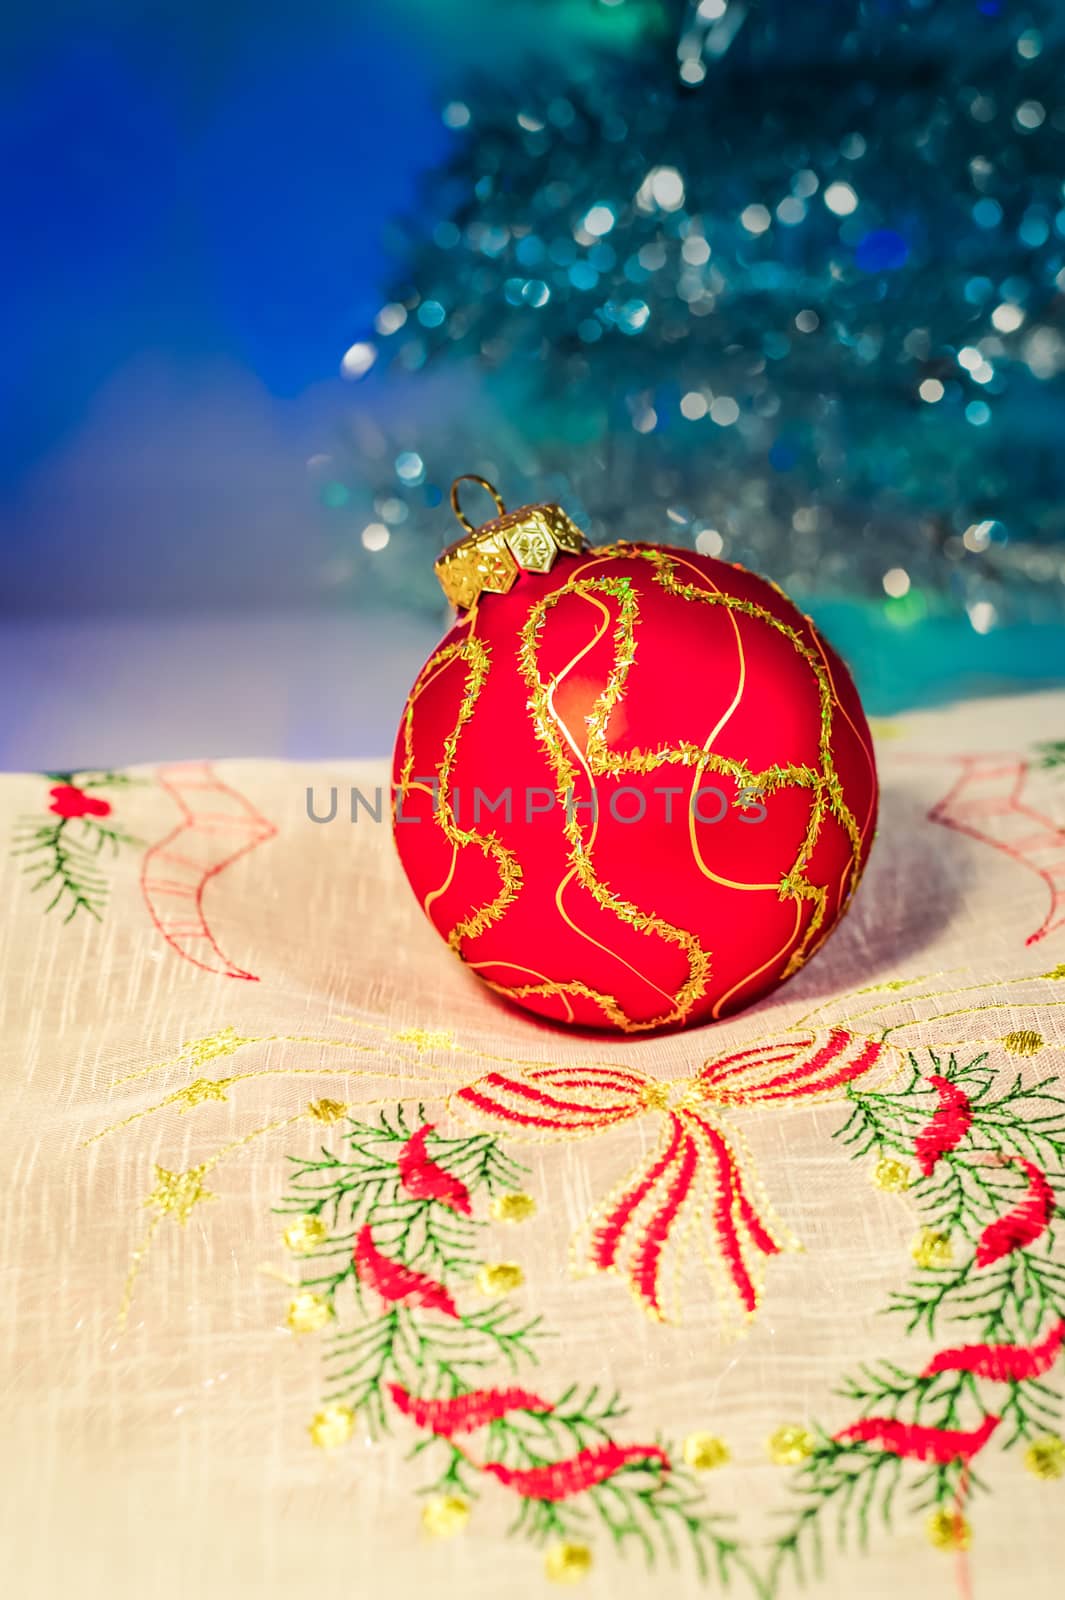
pixel 169 1456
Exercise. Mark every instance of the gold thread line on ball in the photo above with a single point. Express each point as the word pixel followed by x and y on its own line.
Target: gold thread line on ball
pixel 547 732
pixel 794 882
pixel 558 678
pixel 665 575
pixel 510 880
pixel 502 988
pixel 867 750
pixel 602 759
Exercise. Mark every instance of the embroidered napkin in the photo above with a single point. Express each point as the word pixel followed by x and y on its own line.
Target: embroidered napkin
pixel 325 1269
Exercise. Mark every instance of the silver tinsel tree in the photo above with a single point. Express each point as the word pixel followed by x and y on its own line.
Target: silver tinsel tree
pixel 782 282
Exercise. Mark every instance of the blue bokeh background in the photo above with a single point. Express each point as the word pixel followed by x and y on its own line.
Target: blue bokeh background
pixel 197 206
pixel 196 198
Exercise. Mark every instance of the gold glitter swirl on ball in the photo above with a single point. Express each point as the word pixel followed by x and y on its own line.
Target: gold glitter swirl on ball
pixel 600 761
pixel 477 654
pixel 549 733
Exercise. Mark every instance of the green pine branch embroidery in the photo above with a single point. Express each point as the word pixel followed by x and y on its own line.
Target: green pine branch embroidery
pixel 1050 753
pixel 64 855
pixel 972 1179
pixel 377 1350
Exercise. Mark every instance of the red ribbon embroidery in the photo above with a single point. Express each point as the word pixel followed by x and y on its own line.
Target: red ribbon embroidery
pixel 918 1443
pixel 697 1168
pixel 466 1412
pixel 396 1283
pixel 1021 1226
pixel 950 1122
pixel 425 1179
pixel 560 1479
pixel 1004 1363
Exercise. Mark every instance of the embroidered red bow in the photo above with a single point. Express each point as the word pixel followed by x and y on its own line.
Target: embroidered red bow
pixel 699 1179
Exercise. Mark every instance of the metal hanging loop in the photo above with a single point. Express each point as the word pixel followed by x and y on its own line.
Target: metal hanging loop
pixel 472 477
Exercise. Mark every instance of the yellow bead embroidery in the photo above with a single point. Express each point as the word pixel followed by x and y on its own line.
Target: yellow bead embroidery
pixel 790 1445
pixel 332 1426
pixel 891 1175
pixel 500 1277
pixel 949 1530
pixel 1024 1042
pixel 931 1249
pixel 308 1313
pixel 705 1451
pixel 305 1234
pixel 1045 1457
pixel 516 1207
pixel 568 1562
pixel 445 1515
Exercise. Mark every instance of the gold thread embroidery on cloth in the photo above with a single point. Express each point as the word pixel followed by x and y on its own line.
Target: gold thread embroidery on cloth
pixel 699 1181
pixel 177 1193
pixel 166 1201
pixel 426 1038
pixel 327 1109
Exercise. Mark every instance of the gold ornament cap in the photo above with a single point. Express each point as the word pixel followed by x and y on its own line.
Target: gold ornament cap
pixel 489 557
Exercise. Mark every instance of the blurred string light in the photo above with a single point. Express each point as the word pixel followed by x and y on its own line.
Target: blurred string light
pixel 358 359
pixel 375 536
pixel 841 199
pixel 805 284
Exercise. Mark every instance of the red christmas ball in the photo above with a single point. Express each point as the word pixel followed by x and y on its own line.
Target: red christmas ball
pixel 634 787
